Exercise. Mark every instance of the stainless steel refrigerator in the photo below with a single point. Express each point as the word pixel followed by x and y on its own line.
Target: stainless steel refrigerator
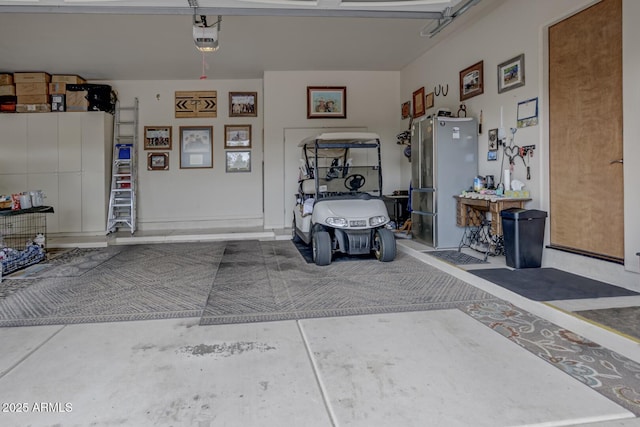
pixel 444 162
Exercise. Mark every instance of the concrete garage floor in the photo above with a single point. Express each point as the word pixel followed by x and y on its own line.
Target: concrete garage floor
pixel 434 368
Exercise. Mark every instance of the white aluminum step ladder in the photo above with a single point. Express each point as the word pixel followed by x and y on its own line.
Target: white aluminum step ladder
pixel 122 201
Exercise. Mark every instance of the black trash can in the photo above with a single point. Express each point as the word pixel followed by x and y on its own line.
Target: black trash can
pixel 523 233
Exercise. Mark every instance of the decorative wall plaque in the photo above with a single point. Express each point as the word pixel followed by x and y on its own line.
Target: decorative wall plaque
pixel 196 104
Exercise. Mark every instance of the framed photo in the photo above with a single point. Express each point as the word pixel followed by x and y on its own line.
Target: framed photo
pixel 324 102
pixel 196 147
pixel 243 104
pixel 406 110
pixel 493 139
pixel 528 113
pixel 238 161
pixel 418 103
pixel 472 81
pixel 157 137
pixel 237 136
pixel 511 74
pixel 429 102
pixel 492 155
pixel 157 161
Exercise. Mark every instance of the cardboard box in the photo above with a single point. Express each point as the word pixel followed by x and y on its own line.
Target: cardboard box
pixel 57 103
pixel 6 79
pixel 57 88
pixel 8 104
pixel 33 108
pixel 77 100
pixel 31 77
pixel 7 90
pixel 32 89
pixel 33 99
pixel 67 78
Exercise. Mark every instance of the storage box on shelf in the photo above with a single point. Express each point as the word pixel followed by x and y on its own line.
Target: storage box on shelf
pixel 33 108
pixel 37 77
pixel 8 104
pixel 57 102
pixel 90 97
pixel 67 78
pixel 6 79
pixel 36 88
pixel 6 90
pixel 57 88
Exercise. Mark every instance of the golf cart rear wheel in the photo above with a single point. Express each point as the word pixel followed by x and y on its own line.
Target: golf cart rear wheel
pixel 321 243
pixel 384 245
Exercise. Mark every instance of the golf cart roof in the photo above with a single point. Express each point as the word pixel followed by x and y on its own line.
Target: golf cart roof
pixel 341 139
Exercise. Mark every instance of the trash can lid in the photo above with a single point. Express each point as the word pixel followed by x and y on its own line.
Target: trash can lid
pixel 517 213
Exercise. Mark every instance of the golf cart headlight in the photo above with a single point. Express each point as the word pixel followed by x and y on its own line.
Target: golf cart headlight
pixel 337 222
pixel 377 220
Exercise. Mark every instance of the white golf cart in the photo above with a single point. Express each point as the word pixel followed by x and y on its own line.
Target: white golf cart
pixel 339 206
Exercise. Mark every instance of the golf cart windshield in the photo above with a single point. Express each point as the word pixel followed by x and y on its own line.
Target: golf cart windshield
pixel 341 164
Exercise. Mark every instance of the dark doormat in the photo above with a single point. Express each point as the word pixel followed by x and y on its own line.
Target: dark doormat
pixel 455 257
pixel 550 284
pixel 625 320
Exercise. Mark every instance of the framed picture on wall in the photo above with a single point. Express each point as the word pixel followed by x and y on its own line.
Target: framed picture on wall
pixel 243 104
pixel 418 103
pixel 406 110
pixel 493 139
pixel 429 100
pixel 157 137
pixel 511 74
pixel 196 147
pixel 238 161
pixel 325 102
pixel 237 136
pixel 157 161
pixel 472 81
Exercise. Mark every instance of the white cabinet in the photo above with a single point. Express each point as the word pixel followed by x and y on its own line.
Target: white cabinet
pixel 69 202
pixel 42 143
pixel 68 156
pixel 70 142
pixel 13 144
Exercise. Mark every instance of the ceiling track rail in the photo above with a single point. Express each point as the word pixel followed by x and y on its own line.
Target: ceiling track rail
pixel 225 11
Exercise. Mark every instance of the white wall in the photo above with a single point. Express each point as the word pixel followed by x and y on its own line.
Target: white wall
pixel 515 27
pixel 195 198
pixel 372 102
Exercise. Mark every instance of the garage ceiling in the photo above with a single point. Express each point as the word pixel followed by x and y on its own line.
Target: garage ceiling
pixel 152 39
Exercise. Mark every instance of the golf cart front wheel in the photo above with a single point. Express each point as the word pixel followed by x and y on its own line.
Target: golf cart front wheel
pixel 321 243
pixel 384 244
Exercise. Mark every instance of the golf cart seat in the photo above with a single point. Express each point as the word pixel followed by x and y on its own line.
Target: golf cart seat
pixel 308 187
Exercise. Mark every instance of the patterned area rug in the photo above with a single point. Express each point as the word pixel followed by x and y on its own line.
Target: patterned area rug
pixel 272 281
pixel 136 283
pixel 9 287
pixel 455 257
pixel 607 372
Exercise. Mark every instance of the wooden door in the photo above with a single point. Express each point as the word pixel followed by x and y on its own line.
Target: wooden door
pixel 585 132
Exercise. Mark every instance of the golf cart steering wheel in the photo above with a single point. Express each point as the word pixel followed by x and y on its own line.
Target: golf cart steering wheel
pixel 354 182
